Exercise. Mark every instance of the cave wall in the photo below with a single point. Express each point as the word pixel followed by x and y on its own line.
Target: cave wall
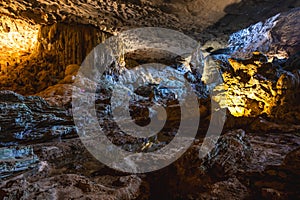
pixel 18 38
pixel 62 44
pixel 58 45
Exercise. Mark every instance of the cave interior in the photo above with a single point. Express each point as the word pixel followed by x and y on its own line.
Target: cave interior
pixel 83 83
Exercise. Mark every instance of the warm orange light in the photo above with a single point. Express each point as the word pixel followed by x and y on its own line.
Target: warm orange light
pixel 17 38
pixel 235 94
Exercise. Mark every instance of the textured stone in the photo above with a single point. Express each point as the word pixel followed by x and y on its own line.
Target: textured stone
pixel 16 159
pixel 249 164
pixel 277 36
pixel 195 177
pixel 278 181
pixel 241 166
pixel 17 39
pixel 252 87
pixel 31 118
pixel 75 187
pixel 59 45
pixel 112 16
pixel 65 169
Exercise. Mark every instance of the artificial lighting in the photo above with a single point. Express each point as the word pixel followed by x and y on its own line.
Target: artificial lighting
pixel 248 96
pixel 17 38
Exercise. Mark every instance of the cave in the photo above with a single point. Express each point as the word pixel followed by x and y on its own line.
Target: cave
pixel 162 99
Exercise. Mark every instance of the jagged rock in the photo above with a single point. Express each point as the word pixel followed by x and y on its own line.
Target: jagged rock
pixel 62 44
pixel 228 189
pixel 252 87
pixel 16 159
pixel 292 162
pixel 58 46
pixel 31 118
pixel 17 39
pixel 237 168
pixel 53 173
pixel 59 95
pixel 113 16
pixel 248 87
pixel 199 177
pixel 277 37
pixel 291 124
pixel 293 62
pixel 242 165
pixel 75 187
pixel 278 181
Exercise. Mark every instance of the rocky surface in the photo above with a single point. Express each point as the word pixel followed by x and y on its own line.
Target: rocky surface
pixel 253 83
pixel 242 165
pixel 257 156
pixel 17 159
pixel 113 16
pixel 17 39
pixel 58 28
pixel 276 36
pixel 255 86
pixel 67 170
pixel 25 119
pixel 58 46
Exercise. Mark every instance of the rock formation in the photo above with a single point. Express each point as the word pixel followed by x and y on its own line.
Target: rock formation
pixel 31 118
pixel 255 77
pixel 276 37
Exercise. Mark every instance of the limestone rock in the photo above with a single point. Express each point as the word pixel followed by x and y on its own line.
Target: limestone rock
pixel 228 189
pixel 252 87
pixel 277 37
pixel 31 118
pixel 242 165
pixel 58 170
pixel 281 181
pixel 199 177
pixel 113 16
pixel 248 87
pixel 72 70
pixel 16 159
pixel 58 46
pixel 73 186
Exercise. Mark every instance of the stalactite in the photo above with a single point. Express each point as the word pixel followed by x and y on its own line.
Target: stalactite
pixel 59 45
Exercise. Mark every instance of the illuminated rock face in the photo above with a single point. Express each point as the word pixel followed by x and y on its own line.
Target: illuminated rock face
pixel 255 86
pixel 64 44
pixel 18 39
pixel 276 37
pixel 56 46
pixel 69 29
